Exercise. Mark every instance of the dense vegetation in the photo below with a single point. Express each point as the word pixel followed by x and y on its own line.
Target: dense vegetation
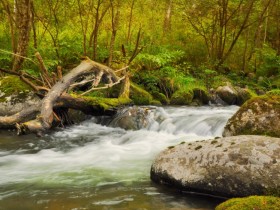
pixel 183 44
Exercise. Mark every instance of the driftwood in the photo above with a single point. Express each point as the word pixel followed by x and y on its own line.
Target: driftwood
pixel 57 98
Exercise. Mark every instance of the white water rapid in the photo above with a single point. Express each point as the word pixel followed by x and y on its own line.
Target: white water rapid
pixel 91 166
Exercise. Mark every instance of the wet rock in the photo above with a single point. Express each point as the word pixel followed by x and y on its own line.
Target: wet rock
pixel 231 95
pixel 231 166
pixel 132 118
pixel 259 116
pixel 228 94
pixel 243 95
pixel 201 96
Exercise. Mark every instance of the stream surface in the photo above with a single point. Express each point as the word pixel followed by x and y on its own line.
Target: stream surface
pixel 92 166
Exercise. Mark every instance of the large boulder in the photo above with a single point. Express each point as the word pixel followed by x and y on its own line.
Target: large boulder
pixel 228 167
pixel 258 116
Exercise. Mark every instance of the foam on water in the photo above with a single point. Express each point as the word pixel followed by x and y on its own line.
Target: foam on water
pixel 100 155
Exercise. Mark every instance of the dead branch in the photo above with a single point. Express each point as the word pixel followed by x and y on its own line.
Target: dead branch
pixel 44 121
pixel 104 87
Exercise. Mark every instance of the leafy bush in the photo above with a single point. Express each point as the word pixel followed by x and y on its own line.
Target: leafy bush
pixel 156 61
pixel 269 62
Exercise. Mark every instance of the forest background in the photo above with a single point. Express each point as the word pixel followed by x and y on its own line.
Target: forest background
pixel 180 44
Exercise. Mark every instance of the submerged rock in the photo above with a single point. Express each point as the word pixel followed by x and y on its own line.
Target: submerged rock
pixel 259 116
pixel 228 167
pixel 131 118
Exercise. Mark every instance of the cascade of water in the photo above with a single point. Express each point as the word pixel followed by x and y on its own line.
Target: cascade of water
pixel 97 155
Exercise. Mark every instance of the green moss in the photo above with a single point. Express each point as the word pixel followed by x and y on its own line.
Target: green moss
pixel 182 97
pixel 160 97
pixel 140 96
pixel 265 102
pixel 155 103
pixel 250 203
pixel 13 85
pixel 275 92
pixel 171 147
pixel 106 103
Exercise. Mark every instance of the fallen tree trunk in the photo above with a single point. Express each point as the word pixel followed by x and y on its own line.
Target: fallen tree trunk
pixel 58 98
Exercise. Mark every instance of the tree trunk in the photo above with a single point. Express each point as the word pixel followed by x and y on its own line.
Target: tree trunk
pixel 46 118
pixel 23 20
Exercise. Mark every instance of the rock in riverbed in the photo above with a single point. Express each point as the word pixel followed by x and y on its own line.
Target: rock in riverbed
pixel 228 167
pixel 259 116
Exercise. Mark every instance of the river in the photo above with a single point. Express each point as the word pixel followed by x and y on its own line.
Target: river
pixel 92 166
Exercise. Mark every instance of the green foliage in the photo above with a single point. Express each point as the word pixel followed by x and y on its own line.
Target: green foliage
pixel 269 62
pixel 274 92
pixel 252 202
pixel 163 58
pixel 5 60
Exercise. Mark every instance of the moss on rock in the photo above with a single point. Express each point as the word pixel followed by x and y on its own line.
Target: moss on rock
pixel 160 97
pixel 250 203
pixel 140 96
pixel 106 103
pixel 10 85
pixel 182 97
pixel 258 116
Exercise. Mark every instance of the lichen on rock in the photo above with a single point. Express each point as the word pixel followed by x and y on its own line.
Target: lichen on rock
pixel 228 167
pixel 258 116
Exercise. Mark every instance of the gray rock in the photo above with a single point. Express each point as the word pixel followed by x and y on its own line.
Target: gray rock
pixel 259 116
pixel 231 166
pixel 228 94
pixel 14 103
pixel 131 118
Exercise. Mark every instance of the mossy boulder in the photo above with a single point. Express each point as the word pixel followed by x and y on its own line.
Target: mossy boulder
pixel 243 95
pixel 234 95
pixel 140 96
pixel 201 96
pixel 182 97
pixel 10 85
pixel 250 203
pixel 15 95
pixel 160 97
pixel 229 167
pixel 258 116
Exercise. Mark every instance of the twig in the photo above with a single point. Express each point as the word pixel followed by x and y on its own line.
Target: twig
pixel 105 87
pixel 17 55
pixel 124 68
pixel 82 83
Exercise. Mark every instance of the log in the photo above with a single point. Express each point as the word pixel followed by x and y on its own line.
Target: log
pixel 44 121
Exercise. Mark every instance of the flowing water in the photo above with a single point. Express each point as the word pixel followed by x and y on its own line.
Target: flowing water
pixel 92 166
